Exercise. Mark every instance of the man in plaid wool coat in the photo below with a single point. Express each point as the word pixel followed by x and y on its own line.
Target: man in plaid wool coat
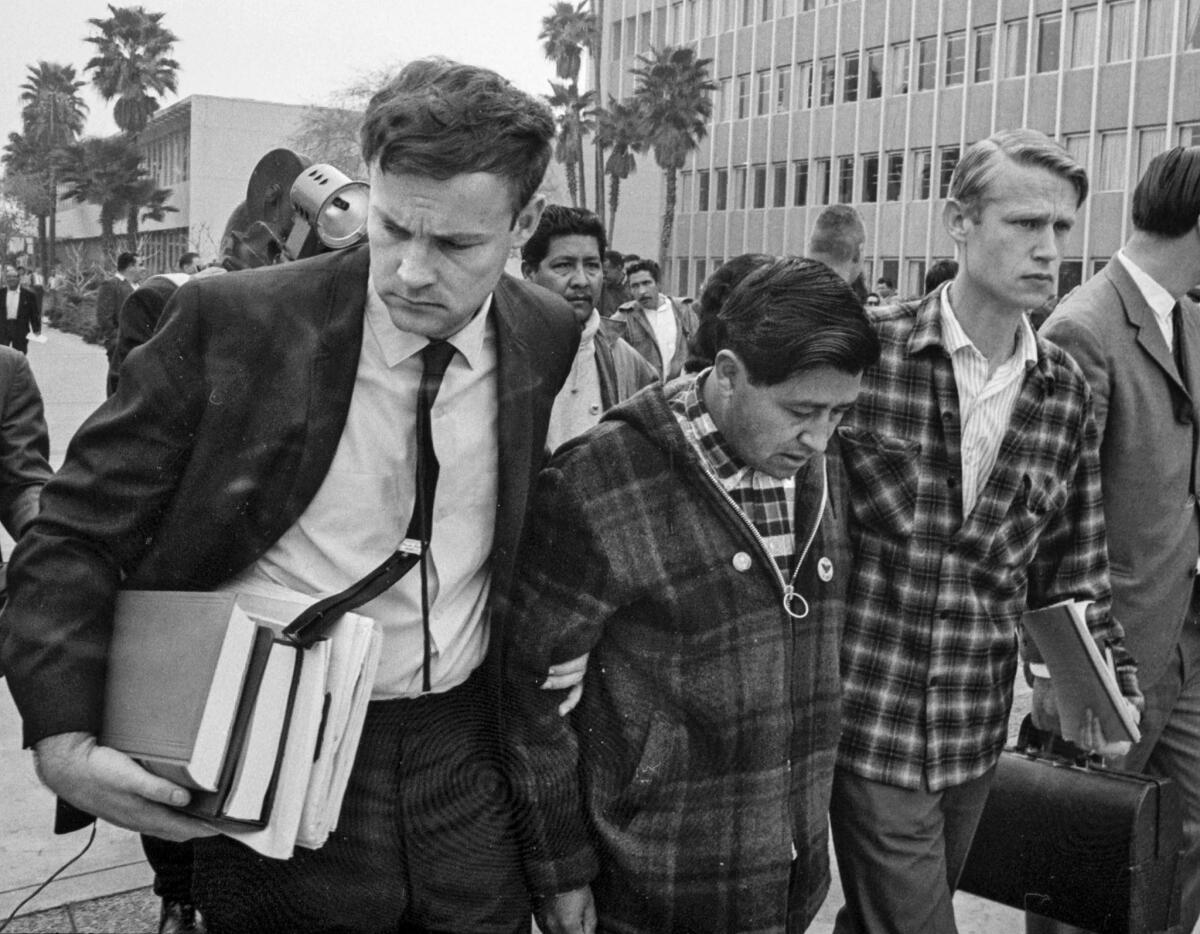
pixel 974 475
pixel 695 543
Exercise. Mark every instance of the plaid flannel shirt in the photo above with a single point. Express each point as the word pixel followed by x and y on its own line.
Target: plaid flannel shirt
pixel 930 648
pixel 768 502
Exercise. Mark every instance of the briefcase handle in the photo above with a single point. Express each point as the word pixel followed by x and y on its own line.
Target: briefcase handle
pixel 1046 744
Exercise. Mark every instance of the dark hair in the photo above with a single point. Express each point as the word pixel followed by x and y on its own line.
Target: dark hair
pixel 972 178
pixel 613 258
pixel 439 118
pixel 941 271
pixel 715 290
pixel 1166 200
pixel 886 281
pixel 125 260
pixel 791 315
pixel 560 221
pixel 838 233
pixel 187 258
pixel 644 265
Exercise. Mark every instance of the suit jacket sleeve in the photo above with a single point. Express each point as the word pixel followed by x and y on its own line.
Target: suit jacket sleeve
pixel 24 444
pixel 136 322
pixel 1077 339
pixel 98 517
pixel 108 306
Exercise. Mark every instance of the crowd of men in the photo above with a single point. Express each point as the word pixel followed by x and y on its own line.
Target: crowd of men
pixel 702 581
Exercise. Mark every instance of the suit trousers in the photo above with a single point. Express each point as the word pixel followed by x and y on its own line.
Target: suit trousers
pixel 424 841
pixel 900 852
pixel 1170 747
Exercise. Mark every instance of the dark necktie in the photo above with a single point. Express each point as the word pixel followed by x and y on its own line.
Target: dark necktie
pixel 311 624
pixel 1177 340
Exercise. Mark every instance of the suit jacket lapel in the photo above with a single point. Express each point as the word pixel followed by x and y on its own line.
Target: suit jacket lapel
pixel 1141 316
pixel 515 435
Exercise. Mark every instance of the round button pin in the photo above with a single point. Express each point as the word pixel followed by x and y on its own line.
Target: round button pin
pixel 825 570
pixel 741 561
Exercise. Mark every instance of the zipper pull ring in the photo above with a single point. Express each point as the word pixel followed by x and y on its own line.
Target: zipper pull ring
pixel 790 595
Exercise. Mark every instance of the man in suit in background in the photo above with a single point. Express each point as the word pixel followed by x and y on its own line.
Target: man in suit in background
pixel 656 325
pixel 20 311
pixel 1136 335
pixel 109 298
pixel 265 437
pixel 837 241
pixel 189 263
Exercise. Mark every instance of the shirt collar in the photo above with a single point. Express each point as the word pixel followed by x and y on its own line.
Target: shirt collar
pixel 398 345
pixel 954 338
pixel 590 327
pixel 705 436
pixel 1158 298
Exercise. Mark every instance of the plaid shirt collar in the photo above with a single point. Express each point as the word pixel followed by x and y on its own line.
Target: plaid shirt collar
pixel 701 431
pixel 928 334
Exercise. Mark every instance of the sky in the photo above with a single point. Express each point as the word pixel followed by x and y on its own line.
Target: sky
pixel 235 48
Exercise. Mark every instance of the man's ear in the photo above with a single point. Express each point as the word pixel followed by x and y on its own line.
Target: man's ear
pixel 527 270
pixel 957 220
pixel 527 220
pixel 727 370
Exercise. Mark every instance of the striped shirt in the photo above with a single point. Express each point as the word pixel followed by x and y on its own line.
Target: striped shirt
pixel 929 652
pixel 769 503
pixel 986 401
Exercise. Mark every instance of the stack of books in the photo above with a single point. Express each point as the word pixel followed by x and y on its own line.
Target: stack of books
pixel 203 691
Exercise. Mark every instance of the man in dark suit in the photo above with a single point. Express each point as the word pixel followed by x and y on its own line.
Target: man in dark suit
pixel 109 298
pixel 1136 335
pixel 20 312
pixel 265 437
pixel 24 444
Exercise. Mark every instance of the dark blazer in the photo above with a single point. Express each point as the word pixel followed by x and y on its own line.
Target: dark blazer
pixel 137 319
pixel 27 319
pixel 1148 454
pixel 109 298
pixel 221 431
pixel 24 443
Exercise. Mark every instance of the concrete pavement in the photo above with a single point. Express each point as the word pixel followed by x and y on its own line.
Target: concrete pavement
pixel 107 890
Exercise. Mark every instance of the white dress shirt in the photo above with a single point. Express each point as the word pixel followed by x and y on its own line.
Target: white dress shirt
pixel 985 402
pixel 361 512
pixel 666 330
pixel 1159 299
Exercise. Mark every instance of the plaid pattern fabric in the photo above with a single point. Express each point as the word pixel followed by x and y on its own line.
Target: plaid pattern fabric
pixel 703 749
pixel 768 502
pixel 930 649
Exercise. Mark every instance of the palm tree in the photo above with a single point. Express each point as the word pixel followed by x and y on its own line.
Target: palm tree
pixel 572 111
pixel 53 115
pixel 132 64
pixel 27 180
pixel 620 128
pixel 674 96
pixel 566 33
pixel 109 173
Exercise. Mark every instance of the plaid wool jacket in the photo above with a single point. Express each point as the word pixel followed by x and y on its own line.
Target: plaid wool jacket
pixel 930 648
pixel 696 771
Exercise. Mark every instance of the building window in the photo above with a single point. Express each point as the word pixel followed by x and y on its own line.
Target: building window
pixel 722 190
pixel 1083 37
pixel 702 190
pixel 956 58
pixel 614 43
pixel 800 183
pixel 1070 275
pixel 828 81
pixel 926 64
pixel 631 39
pixel 1078 147
pixel 1118 18
pixel 850 77
pixel 985 46
pixel 685 191
pixel 747 13
pixel 901 58
pixel 804 85
pixel 739 187
pixel 1157 26
pixel 783 89
pixel 779 185
pixel 916 277
pixel 766 11
pixel 1049 42
pixel 1151 141
pixel 701 272
pixel 677 22
pixel 1015 34
pixel 1189 134
pixel 821 181
pixel 922 160
pixel 644 29
pixel 743 96
pixel 870 177
pixel 846 179
pixel 874 74
pixel 1110 175
pixel 947 160
pixel 660 27
pixel 681 264
pixel 722 101
pixel 760 186
pixel 895 176
pixel 764 92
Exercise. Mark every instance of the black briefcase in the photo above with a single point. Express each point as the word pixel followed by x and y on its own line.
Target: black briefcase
pixel 1087 846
